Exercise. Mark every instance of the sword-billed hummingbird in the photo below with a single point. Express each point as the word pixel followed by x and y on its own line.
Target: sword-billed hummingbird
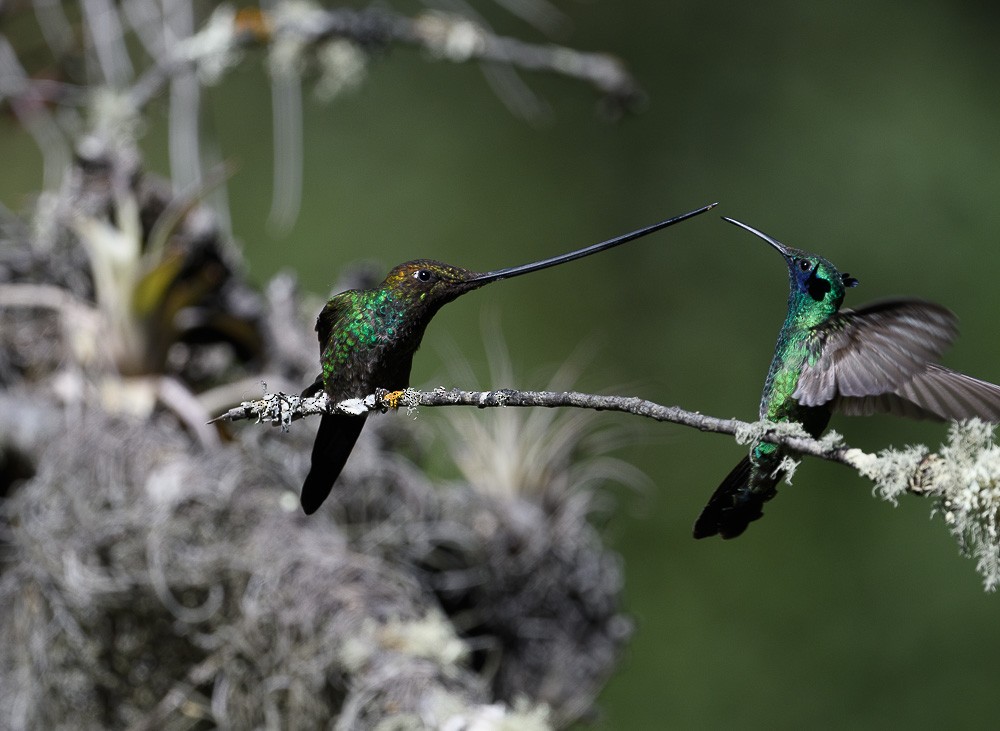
pixel 368 338
pixel 879 358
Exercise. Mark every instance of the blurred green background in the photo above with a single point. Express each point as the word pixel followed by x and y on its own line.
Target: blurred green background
pixel 866 131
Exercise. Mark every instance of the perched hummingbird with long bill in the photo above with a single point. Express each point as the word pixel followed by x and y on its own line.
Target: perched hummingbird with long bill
pixel 368 338
pixel 878 358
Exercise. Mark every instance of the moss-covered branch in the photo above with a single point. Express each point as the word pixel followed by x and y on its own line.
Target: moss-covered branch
pixel 279 408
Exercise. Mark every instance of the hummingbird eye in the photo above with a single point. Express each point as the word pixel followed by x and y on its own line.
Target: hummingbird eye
pixel 424 275
pixel 804 265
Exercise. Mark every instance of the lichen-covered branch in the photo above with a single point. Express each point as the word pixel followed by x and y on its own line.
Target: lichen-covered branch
pixel 278 408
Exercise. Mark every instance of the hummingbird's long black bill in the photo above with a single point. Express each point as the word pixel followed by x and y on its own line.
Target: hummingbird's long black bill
pixel 517 271
pixel 785 251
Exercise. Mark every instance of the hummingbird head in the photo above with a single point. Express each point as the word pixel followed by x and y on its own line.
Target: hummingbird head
pixel 429 283
pixel 811 278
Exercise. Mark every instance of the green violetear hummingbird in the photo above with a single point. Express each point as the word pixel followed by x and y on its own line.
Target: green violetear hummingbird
pixel 879 358
pixel 368 338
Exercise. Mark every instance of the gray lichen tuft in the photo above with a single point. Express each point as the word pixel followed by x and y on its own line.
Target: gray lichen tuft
pixel 963 478
pixel 892 470
pixel 966 482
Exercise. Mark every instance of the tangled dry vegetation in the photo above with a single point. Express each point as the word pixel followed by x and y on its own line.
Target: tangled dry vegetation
pixel 155 570
pixel 158 573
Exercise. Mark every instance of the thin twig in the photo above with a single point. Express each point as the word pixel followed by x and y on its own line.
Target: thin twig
pixel 282 409
pixel 444 36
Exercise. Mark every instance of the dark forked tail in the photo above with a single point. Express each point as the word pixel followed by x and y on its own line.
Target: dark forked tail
pixel 733 506
pixel 334 442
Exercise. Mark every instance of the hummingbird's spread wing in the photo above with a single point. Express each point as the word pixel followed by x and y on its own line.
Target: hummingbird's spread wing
pixel 874 350
pixel 935 392
pixel 880 359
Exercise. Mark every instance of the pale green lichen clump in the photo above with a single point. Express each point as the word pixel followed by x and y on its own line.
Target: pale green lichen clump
pixel 967 483
pixel 754 431
pixel 892 470
pixel 964 480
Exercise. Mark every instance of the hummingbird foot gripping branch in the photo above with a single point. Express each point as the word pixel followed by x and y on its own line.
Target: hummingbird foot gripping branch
pixel 394 399
pixel 368 339
pixel 879 358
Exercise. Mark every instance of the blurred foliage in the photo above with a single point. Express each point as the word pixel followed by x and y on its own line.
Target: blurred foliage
pixel 864 131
